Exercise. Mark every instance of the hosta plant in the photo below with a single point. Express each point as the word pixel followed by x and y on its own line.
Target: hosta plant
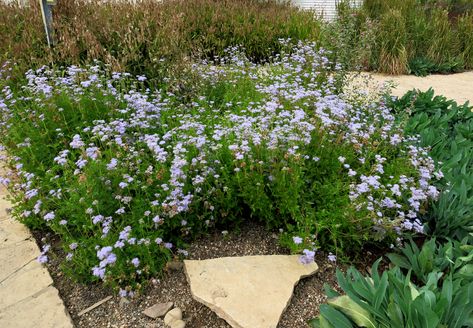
pixel 452 257
pixel 390 299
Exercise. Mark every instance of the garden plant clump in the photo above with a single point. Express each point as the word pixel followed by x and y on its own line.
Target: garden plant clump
pixel 403 36
pixel 431 285
pixel 126 176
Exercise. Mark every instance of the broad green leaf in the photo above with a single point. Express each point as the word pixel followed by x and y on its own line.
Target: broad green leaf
pixel 414 291
pixel 399 260
pixel 323 323
pixel 395 315
pixel 353 310
pixel 335 317
pixel 466 270
pixel 380 291
pixel 315 323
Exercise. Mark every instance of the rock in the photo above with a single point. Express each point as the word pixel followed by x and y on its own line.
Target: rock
pixel 173 315
pixel 247 292
pixel 177 324
pixel 158 310
pixel 174 266
pixel 123 302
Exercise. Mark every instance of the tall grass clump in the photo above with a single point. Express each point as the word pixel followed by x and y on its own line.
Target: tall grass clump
pixel 392 43
pixel 444 47
pixel 465 35
pixel 149 37
pixel 414 36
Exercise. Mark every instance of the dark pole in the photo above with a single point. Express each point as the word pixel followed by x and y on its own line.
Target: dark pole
pixel 48 19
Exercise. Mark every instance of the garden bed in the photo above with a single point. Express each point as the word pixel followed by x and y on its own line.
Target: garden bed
pixel 253 239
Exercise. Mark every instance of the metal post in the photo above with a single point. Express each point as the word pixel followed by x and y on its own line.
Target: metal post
pixel 48 19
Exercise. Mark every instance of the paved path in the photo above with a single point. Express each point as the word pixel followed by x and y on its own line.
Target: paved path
pixel 453 86
pixel 27 297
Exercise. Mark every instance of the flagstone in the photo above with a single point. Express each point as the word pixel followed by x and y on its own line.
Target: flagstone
pixel 15 257
pixel 26 282
pixel 247 292
pixel 45 309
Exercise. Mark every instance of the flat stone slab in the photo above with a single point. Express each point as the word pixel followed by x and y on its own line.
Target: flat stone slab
pixel 158 310
pixel 26 282
pixel 42 310
pixel 15 257
pixel 249 291
pixel 12 232
pixel 27 297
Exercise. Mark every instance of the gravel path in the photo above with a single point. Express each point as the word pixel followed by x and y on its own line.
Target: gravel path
pixel 453 86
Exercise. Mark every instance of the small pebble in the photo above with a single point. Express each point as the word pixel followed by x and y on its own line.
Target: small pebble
pixel 173 315
pixel 178 324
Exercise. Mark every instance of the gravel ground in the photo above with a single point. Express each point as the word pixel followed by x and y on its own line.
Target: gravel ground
pixel 173 287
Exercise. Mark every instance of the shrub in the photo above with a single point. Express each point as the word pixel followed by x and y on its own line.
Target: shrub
pixel 350 38
pixel 121 172
pixel 446 128
pixel 149 37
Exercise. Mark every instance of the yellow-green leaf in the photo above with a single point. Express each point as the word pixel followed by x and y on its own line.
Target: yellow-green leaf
pixel 352 309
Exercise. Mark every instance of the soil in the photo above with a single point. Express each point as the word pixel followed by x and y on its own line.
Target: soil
pixel 173 287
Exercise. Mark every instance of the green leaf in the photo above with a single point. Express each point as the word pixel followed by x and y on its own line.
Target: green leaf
pixel 315 323
pixel 399 260
pixel 330 292
pixel 414 291
pixel 353 310
pixel 324 323
pixel 395 315
pixel 466 270
pixel 380 291
pixel 467 258
pixel 335 317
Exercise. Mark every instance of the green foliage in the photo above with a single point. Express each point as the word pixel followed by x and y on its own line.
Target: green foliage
pixel 421 66
pixel 465 35
pixel 392 39
pixel 96 156
pixel 400 36
pixel 350 38
pixel 392 300
pixel 447 128
pixel 453 258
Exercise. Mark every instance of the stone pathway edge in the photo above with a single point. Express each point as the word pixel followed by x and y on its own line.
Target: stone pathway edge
pixel 27 296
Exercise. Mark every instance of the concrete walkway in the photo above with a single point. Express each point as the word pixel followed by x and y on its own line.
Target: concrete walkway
pixel 453 86
pixel 27 296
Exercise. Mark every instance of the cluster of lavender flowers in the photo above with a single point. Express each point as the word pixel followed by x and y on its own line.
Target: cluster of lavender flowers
pixel 126 187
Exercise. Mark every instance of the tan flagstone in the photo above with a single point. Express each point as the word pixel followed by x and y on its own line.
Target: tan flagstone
pixel 15 257
pixel 249 291
pixel 26 282
pixel 44 310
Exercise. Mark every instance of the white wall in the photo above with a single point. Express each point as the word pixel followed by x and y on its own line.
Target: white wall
pixel 326 8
